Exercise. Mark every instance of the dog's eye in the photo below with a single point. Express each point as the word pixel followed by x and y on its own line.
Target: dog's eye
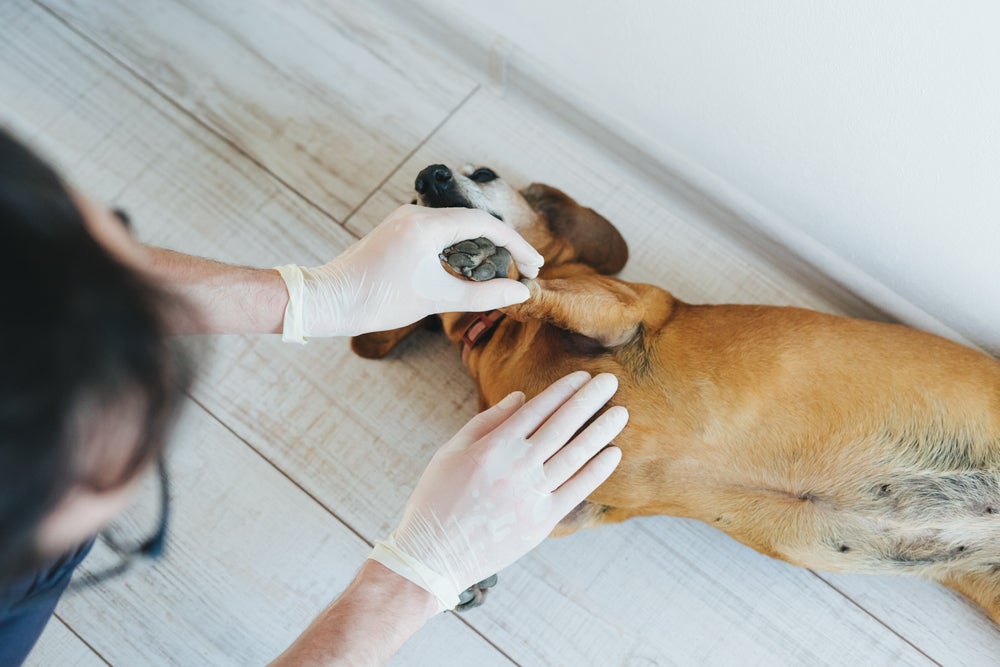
pixel 483 175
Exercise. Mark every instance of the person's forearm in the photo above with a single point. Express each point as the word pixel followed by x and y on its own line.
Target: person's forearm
pixel 366 625
pixel 222 298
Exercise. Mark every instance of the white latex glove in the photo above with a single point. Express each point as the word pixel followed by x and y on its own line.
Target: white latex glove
pixel 499 487
pixel 393 277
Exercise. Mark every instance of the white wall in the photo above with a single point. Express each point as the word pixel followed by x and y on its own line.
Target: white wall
pixel 865 135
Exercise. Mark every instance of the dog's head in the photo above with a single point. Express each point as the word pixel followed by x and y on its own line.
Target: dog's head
pixel 551 221
pixel 556 226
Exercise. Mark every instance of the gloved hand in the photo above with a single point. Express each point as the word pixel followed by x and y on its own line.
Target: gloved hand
pixel 496 489
pixel 393 277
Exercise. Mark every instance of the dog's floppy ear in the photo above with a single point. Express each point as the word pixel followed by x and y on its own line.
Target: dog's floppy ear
pixel 595 240
pixel 378 344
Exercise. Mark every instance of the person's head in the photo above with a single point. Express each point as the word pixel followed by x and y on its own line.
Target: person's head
pixel 88 381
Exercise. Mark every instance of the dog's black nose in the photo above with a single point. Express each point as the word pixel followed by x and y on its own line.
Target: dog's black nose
pixel 433 179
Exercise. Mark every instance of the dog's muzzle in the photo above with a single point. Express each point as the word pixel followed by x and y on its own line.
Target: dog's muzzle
pixel 437 188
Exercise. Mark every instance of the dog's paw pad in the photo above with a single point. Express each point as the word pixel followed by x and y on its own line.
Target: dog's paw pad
pixel 475 595
pixel 477 259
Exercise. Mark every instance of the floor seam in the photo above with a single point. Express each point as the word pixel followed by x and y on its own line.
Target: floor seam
pixel 330 511
pixel 461 619
pixel 413 152
pixel 282 472
pixel 76 634
pixel 189 114
pixel 875 618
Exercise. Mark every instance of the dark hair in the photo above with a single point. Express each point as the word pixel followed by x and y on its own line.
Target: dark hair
pixel 82 337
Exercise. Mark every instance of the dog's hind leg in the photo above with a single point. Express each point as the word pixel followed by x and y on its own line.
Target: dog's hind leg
pixel 605 309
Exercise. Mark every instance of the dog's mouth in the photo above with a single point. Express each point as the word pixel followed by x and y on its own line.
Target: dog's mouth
pixel 437 187
pixel 419 202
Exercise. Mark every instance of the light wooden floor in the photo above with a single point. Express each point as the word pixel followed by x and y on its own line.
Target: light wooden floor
pixel 268 132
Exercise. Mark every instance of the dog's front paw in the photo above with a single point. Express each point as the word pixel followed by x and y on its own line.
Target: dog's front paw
pixel 475 595
pixel 477 259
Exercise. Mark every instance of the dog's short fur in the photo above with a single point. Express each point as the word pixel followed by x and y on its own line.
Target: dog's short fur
pixel 831 443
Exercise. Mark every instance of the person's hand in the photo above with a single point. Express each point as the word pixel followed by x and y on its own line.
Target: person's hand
pixel 393 277
pixel 495 490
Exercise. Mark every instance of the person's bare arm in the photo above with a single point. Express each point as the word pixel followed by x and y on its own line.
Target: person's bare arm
pixel 390 278
pixel 366 625
pixel 214 297
pixel 222 298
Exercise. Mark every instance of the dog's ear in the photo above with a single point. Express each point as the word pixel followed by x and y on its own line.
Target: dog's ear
pixel 378 344
pixel 595 240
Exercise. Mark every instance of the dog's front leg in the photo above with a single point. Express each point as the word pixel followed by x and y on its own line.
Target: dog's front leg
pixel 605 309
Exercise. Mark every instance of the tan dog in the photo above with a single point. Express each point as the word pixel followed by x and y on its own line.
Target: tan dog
pixel 831 443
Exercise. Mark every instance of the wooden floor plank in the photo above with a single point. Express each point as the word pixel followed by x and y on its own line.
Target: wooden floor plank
pixel 115 139
pixel 59 646
pixel 945 625
pixel 252 558
pixel 329 96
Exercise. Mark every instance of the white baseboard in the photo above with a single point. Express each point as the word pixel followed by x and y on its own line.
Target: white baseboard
pixel 699 194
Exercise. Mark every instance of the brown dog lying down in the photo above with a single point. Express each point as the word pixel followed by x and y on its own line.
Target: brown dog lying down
pixel 831 443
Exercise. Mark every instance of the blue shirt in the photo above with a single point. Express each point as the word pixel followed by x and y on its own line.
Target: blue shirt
pixel 27 603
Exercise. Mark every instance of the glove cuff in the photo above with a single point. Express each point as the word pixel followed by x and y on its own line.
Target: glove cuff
pixel 293 327
pixel 408 567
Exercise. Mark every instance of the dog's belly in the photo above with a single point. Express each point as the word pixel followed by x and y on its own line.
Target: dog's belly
pixel 877 504
pixel 915 522
pixel 858 485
